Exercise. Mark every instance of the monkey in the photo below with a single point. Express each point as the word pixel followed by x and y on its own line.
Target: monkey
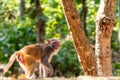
pixel 30 55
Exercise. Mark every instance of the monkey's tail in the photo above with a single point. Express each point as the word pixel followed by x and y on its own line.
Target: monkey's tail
pixel 11 60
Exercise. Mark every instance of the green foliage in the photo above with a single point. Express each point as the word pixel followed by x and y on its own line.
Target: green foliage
pixel 56 24
pixel 8 9
pixel 15 33
pixel 116 69
pixel 66 62
pixel 91 15
pixel 114 44
pixel 14 36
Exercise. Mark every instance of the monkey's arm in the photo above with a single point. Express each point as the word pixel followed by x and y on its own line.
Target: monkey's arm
pixel 11 60
pixel 47 66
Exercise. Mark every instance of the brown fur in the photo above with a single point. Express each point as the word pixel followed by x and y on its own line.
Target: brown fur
pixel 29 55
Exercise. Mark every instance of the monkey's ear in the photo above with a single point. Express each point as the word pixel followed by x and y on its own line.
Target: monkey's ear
pixel 48 41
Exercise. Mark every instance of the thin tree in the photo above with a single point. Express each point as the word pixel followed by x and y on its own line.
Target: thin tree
pixel 84 14
pixel 104 24
pixel 40 25
pixel 85 52
pixel 22 9
pixel 40 30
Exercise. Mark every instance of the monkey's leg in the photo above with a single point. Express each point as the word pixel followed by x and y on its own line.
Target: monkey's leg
pixel 22 66
pixel 29 72
pixel 40 70
pixel 48 68
pixel 45 71
pixel 11 60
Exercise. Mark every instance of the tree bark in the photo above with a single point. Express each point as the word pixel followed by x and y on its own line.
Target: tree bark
pixel 40 25
pixel 85 52
pixel 104 26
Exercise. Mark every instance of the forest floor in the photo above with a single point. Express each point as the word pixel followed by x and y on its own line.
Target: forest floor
pixel 72 78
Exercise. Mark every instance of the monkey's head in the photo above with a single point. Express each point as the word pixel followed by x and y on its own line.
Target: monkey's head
pixel 54 43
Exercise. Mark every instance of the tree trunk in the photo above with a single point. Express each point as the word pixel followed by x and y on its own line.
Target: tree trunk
pixel 104 26
pixel 85 52
pixel 40 31
pixel 22 9
pixel 40 25
pixel 119 25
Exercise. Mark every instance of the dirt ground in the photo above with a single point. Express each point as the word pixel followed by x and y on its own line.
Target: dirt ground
pixel 73 78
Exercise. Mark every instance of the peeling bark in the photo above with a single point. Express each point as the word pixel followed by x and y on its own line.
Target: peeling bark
pixel 104 26
pixel 85 52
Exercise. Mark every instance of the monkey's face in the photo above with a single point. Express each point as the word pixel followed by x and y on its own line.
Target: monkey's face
pixel 54 43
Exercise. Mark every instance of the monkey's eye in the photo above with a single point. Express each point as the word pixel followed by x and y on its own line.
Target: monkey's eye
pixel 56 44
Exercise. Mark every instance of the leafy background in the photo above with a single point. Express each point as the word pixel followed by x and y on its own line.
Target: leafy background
pixel 16 33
